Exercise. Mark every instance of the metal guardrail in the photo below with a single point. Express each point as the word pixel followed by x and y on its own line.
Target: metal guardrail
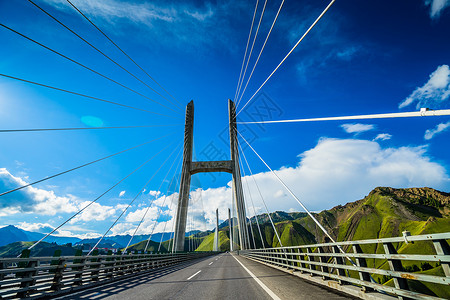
pixel 346 263
pixel 48 276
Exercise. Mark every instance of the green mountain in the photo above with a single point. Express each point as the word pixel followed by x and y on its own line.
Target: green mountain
pixel 385 212
pixel 42 249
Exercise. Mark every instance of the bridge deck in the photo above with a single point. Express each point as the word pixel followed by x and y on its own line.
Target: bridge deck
pixel 220 277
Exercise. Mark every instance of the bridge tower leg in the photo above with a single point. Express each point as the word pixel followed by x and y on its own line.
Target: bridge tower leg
pixel 185 183
pixel 237 183
pixel 189 168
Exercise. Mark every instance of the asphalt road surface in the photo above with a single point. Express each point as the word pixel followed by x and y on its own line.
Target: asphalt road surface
pixel 222 276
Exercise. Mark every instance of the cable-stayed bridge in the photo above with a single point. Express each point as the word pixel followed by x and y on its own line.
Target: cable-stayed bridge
pixel 332 269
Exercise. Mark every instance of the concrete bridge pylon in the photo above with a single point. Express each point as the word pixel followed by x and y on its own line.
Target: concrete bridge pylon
pixel 190 168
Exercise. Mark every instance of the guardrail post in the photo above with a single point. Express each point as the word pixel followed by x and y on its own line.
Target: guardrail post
pixel 301 259
pixel 323 260
pixel 290 256
pixel 310 258
pixel 95 267
pixel 27 276
pixel 78 280
pixel 361 262
pixel 338 260
pixel 60 265
pixel 442 248
pixel 109 264
pixel 396 265
pixel 2 275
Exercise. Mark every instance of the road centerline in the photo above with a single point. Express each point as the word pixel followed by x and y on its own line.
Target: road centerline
pixel 194 275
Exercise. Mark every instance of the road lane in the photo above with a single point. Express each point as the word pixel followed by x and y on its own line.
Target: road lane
pixel 214 277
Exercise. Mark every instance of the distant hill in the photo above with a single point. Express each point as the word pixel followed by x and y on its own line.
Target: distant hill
pixel 385 212
pixel 42 249
pixel 11 234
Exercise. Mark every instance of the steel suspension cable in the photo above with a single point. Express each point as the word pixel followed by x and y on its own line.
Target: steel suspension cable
pixel 253 45
pixel 260 52
pixel 79 167
pixel 86 206
pixel 290 192
pixel 164 202
pixel 156 195
pixel 261 196
pixel 99 51
pixel 253 204
pixel 82 95
pixel 172 235
pixel 203 213
pixel 165 224
pixel 301 204
pixel 120 49
pixel 246 48
pixel 128 206
pixel 289 53
pixel 421 113
pixel 84 66
pixel 251 227
pixel 82 128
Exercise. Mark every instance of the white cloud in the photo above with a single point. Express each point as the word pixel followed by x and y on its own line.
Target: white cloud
pixel 433 93
pixel 347 53
pixel 35 227
pixel 334 172
pixel 436 7
pixel 430 133
pixel 154 193
pixel 68 232
pixel 181 23
pixel 31 199
pixel 122 193
pixel 97 212
pixel 383 137
pixel 357 128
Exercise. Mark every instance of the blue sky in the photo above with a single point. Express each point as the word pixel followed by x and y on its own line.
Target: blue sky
pixel 363 57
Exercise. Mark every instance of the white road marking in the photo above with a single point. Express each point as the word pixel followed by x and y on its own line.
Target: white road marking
pixel 210 263
pixel 194 275
pixel 265 288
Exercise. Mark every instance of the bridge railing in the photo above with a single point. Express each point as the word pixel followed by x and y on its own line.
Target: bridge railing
pixel 376 265
pixel 48 276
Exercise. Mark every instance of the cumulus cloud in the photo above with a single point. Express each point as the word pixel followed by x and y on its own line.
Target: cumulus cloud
pixel 436 7
pixel 383 137
pixel 357 128
pixel 433 93
pixel 430 133
pixel 154 193
pixel 335 172
pixel 31 199
pixel 97 212
pixel 36 227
